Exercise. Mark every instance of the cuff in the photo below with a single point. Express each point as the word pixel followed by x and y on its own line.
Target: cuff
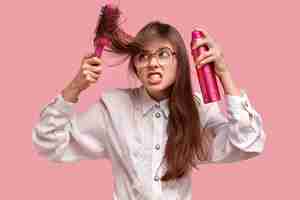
pixel 62 105
pixel 237 104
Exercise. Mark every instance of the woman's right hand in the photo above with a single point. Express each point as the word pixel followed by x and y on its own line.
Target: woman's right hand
pixel 89 72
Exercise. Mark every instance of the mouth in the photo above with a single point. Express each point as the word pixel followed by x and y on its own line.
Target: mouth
pixel 151 74
pixel 155 77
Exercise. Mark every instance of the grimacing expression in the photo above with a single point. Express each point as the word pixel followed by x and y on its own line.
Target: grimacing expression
pixel 156 66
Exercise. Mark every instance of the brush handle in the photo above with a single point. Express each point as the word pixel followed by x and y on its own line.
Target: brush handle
pixel 206 74
pixel 100 44
pixel 99 50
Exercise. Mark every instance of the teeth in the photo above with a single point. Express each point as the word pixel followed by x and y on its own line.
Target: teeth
pixel 157 74
pixel 155 77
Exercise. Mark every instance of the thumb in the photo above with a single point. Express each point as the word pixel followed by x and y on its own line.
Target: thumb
pixel 86 56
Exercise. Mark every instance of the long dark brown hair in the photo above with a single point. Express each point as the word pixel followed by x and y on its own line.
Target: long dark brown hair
pixel 188 142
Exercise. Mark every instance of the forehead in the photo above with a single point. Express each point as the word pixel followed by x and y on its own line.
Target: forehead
pixel 155 44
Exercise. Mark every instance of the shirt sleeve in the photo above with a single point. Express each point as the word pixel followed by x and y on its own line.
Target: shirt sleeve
pixel 63 135
pixel 239 135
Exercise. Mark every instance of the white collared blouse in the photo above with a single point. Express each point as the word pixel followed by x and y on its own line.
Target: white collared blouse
pixel 127 127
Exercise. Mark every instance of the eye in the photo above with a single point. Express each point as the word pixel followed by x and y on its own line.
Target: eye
pixel 141 57
pixel 164 53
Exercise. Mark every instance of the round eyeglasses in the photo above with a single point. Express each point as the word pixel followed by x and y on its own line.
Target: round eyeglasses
pixel 163 56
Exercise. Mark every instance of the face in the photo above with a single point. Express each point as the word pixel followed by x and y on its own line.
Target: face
pixel 158 84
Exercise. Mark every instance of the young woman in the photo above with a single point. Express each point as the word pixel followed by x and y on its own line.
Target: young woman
pixel 156 133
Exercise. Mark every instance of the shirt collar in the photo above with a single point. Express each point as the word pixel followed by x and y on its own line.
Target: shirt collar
pixel 149 103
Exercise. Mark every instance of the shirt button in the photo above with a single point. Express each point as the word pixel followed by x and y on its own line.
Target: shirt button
pixel 157 147
pixel 157 114
pixel 156 178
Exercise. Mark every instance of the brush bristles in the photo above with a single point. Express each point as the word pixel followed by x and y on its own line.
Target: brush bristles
pixel 108 20
pixel 108 27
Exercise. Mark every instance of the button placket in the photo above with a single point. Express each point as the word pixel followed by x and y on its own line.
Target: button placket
pixel 156 155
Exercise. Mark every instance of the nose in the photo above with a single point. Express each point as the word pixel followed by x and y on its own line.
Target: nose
pixel 153 61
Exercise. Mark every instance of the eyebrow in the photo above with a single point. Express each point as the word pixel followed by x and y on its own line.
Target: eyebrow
pixel 157 49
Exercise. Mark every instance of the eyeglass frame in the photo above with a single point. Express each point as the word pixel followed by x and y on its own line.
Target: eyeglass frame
pixel 154 54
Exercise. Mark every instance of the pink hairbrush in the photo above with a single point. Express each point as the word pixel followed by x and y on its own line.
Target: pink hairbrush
pixel 108 31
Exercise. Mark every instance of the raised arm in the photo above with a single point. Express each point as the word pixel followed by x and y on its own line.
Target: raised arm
pixel 239 135
pixel 62 135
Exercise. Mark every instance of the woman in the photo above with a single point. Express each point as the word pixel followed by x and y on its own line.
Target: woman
pixel 156 133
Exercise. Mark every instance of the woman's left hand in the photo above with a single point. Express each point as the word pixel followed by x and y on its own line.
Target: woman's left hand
pixel 214 54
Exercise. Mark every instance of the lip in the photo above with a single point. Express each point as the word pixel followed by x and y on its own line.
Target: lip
pixel 150 73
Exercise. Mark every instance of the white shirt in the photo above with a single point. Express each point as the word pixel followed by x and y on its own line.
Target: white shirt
pixel 127 127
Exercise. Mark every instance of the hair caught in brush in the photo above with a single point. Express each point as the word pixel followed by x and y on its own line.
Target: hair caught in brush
pixel 108 26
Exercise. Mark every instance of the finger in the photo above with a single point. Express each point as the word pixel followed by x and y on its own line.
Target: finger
pixel 95 69
pixel 97 59
pixel 92 58
pixel 207 60
pixel 89 73
pixel 203 56
pixel 88 56
pixel 91 79
pixel 201 42
pixel 85 57
pixel 94 61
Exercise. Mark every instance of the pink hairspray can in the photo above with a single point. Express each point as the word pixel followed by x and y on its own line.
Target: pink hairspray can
pixel 206 74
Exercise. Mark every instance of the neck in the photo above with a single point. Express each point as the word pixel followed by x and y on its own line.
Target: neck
pixel 161 95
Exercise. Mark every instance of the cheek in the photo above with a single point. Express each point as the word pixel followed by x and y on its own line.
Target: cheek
pixel 172 73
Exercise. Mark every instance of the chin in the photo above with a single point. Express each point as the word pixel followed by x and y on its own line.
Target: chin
pixel 159 86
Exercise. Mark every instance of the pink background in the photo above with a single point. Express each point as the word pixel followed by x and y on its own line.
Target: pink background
pixel 42 43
